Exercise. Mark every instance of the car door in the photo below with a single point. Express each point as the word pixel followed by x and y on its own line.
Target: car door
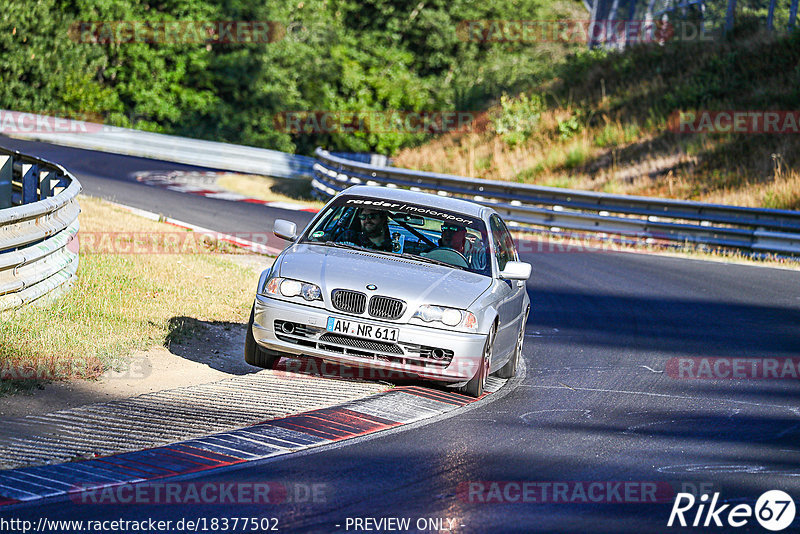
pixel 511 292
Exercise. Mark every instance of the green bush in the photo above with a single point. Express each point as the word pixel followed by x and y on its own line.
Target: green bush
pixel 568 128
pixel 517 118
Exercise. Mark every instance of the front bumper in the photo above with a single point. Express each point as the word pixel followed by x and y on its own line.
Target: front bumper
pixel 429 353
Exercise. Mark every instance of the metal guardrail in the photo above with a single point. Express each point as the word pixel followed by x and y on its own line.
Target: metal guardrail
pixel 550 209
pixel 38 223
pixel 211 154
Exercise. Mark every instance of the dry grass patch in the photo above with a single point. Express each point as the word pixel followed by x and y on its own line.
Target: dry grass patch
pixel 122 302
pixel 604 121
pixel 269 189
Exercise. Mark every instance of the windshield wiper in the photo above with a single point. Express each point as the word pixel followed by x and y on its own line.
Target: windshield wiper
pixel 338 245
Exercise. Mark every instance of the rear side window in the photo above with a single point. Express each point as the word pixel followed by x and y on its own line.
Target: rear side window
pixel 504 250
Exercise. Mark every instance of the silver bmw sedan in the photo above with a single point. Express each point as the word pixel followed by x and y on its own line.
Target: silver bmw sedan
pixel 397 280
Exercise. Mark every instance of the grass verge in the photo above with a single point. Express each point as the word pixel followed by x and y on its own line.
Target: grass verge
pixel 121 302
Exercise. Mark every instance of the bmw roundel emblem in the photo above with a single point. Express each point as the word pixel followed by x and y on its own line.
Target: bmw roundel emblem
pixel 372 287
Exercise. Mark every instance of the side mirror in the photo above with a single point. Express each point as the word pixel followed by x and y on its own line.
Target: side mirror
pixel 516 270
pixel 285 229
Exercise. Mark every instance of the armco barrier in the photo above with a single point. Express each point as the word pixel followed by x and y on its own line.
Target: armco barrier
pixel 537 208
pixel 38 220
pixel 211 154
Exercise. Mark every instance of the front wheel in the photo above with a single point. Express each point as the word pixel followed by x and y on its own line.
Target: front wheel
pixel 254 354
pixel 510 368
pixel 474 388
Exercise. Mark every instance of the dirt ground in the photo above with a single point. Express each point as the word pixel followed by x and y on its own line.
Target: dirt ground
pixel 213 351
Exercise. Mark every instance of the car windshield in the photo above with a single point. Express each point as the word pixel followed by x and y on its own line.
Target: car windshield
pixel 392 227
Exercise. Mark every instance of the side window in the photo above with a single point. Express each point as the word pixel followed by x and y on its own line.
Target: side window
pixel 503 242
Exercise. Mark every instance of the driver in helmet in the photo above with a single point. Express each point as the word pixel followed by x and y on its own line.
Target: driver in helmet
pixel 453 236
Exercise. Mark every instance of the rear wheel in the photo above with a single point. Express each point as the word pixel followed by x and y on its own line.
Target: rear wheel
pixel 474 388
pixel 254 354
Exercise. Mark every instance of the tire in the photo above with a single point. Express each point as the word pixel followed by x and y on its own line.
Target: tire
pixel 254 354
pixel 510 368
pixel 474 388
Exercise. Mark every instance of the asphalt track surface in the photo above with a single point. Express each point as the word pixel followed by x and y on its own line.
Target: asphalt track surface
pixel 111 176
pixel 595 403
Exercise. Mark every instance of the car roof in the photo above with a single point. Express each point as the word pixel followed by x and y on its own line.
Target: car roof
pixel 457 205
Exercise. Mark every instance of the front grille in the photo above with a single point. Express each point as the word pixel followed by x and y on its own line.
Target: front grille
pixel 363 344
pixel 402 353
pixel 349 301
pixel 386 307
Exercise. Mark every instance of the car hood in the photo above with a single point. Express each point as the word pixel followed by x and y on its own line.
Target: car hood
pixel 414 282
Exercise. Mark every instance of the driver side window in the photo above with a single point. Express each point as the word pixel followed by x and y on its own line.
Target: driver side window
pixel 503 242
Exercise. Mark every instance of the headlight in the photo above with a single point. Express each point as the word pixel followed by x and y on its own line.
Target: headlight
pixel 311 292
pixel 292 288
pixel 451 317
pixel 446 316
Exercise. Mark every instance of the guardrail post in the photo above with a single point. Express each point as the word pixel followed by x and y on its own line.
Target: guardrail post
pixel 6 172
pixel 46 185
pixel 30 183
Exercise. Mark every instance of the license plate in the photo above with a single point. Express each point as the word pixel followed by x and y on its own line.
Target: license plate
pixel 367 331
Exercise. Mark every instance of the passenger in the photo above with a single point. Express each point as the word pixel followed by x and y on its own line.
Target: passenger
pixel 453 236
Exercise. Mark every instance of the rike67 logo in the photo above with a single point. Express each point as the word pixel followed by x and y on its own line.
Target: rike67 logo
pixel 774 510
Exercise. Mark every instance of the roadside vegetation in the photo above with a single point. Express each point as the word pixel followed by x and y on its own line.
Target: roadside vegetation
pixel 603 123
pixel 123 302
pixel 323 55
pixel 549 113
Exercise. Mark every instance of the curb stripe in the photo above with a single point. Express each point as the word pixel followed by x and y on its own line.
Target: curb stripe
pixel 95 471
pixel 440 398
pixel 173 464
pixel 211 457
pixel 285 435
pixel 66 473
pixel 308 429
pixel 112 461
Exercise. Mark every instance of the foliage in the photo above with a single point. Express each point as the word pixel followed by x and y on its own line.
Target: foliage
pixel 610 123
pixel 333 55
pixel 517 118
pixel 568 127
